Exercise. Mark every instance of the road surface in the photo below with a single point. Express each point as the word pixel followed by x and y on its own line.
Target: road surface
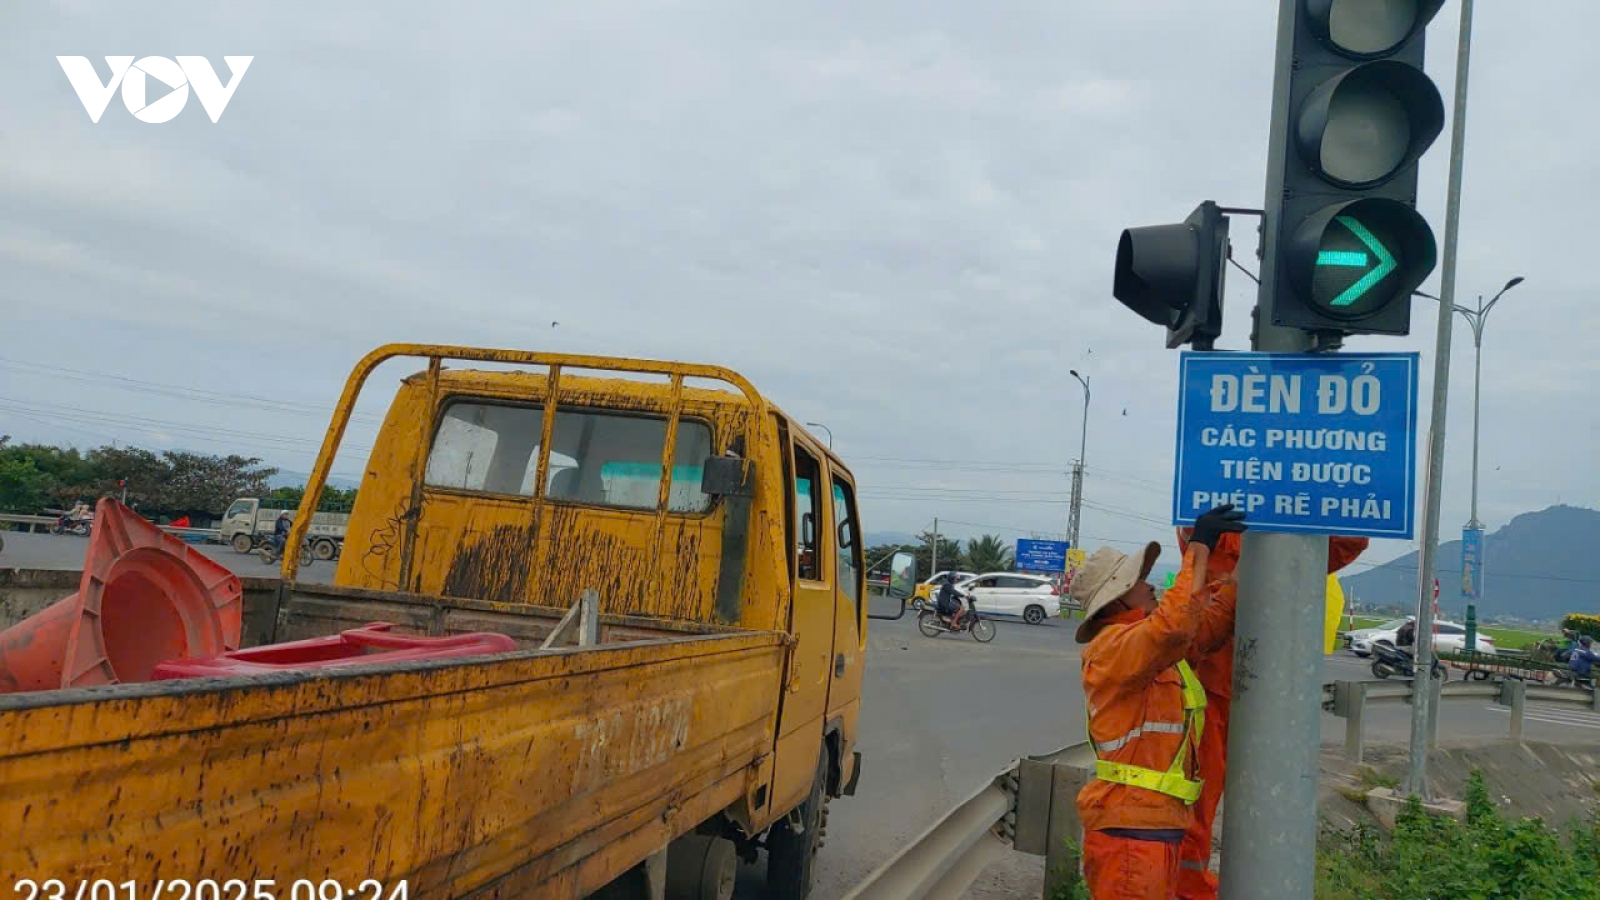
pixel 941 715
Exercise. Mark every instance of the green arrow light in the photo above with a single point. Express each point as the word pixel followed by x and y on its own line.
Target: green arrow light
pixel 1386 261
pixel 1353 258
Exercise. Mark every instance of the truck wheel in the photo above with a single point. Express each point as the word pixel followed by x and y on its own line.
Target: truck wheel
pixel 701 867
pixel 241 543
pixel 791 856
pixel 323 549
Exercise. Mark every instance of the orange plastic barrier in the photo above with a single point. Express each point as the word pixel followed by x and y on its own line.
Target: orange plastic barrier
pixel 145 596
pixel 372 643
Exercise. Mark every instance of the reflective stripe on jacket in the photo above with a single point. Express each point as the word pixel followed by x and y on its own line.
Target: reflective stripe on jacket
pixel 1174 780
pixel 1134 694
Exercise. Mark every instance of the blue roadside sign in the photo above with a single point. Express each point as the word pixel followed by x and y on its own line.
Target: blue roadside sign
pixel 1312 443
pixel 1472 563
pixel 1041 556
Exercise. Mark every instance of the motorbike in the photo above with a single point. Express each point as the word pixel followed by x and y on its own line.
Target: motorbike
pixel 932 624
pixel 1569 678
pixel 1391 660
pixel 68 525
pixel 270 553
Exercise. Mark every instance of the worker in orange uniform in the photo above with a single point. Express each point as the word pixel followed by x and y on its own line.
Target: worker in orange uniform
pixel 1212 660
pixel 1146 712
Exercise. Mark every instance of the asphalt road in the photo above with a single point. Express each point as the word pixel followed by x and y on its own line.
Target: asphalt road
pixel 942 715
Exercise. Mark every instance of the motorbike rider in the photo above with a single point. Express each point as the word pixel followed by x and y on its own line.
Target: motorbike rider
pixel 1583 659
pixel 949 604
pixel 280 531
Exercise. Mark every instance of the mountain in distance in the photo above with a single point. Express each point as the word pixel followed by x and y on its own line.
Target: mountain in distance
pixel 287 478
pixel 886 538
pixel 1536 568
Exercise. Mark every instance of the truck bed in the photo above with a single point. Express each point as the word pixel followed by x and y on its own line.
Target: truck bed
pixel 530 773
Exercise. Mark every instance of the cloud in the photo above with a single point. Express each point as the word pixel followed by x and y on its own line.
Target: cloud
pixel 898 219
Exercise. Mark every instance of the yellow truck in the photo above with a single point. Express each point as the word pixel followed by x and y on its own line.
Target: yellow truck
pixel 711 713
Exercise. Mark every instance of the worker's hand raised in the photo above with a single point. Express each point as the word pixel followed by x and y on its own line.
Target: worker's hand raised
pixel 1217 521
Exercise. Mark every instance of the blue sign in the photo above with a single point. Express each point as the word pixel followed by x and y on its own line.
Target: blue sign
pixel 1041 556
pixel 1312 443
pixel 1472 563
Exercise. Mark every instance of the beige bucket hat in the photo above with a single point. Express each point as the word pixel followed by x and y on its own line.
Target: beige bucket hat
pixel 1107 575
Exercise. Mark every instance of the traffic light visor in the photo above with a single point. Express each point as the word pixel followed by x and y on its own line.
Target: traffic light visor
pixel 1354 260
pixel 1155 274
pixel 1363 127
pixel 1364 29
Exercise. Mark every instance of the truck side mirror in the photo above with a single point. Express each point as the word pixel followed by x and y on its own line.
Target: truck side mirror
pixel 902 581
pixel 727 476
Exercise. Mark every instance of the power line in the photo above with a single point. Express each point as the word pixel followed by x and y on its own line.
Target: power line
pixel 93 417
pixel 179 392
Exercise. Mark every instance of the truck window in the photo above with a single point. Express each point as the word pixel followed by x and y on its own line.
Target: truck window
pixel 613 459
pixel 239 507
pixel 486 447
pixel 848 534
pixel 808 514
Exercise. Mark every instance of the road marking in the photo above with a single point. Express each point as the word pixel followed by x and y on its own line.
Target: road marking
pixel 1572 718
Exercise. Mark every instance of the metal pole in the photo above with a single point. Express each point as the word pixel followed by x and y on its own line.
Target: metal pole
pixel 1428 550
pixel 934 566
pixel 1075 511
pixel 1477 386
pixel 824 428
pixel 1270 832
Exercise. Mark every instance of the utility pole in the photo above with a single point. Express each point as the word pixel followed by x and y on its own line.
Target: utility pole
pixel 934 566
pixel 1275 736
pixel 1075 510
pixel 1428 550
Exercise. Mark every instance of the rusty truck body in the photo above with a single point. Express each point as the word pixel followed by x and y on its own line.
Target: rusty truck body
pixel 720 701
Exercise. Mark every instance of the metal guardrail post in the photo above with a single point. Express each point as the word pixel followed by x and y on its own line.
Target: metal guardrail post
pixel 1350 703
pixel 1514 693
pixel 1435 689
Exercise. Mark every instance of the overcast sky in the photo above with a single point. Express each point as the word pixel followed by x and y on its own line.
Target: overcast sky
pixel 898 218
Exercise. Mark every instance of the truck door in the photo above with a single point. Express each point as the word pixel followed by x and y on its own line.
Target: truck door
pixel 811 617
pixel 849 614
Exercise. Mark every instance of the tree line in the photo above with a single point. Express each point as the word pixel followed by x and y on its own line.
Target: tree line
pixel 164 485
pixel 989 553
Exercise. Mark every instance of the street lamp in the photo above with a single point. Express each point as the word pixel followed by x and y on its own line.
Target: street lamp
pixel 1476 318
pixel 1077 475
pixel 824 428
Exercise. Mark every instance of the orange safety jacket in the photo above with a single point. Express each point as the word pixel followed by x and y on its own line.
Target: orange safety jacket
pixel 1135 696
pixel 1212 653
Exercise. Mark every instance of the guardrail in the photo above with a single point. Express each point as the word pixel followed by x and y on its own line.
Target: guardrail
pixel 33 522
pixel 1348 700
pixel 1031 805
pixel 36 523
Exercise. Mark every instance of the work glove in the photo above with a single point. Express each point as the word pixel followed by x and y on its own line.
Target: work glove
pixel 1215 522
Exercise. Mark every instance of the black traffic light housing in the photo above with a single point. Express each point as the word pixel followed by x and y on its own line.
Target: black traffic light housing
pixel 1173 275
pixel 1349 244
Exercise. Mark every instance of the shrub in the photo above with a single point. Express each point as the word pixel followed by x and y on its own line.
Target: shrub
pixel 1486 856
pixel 1582 624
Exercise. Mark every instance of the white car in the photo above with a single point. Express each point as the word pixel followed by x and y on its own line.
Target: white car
pixel 1449 637
pixel 1027 597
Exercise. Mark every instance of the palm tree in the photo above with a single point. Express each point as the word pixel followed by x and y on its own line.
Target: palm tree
pixel 989 554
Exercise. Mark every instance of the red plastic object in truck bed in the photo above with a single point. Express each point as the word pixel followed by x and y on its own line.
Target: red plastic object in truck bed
pixel 371 643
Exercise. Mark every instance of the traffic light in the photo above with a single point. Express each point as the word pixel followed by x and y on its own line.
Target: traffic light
pixel 1173 275
pixel 1348 242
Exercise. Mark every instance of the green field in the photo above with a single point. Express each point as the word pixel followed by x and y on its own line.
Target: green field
pixel 1504 638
